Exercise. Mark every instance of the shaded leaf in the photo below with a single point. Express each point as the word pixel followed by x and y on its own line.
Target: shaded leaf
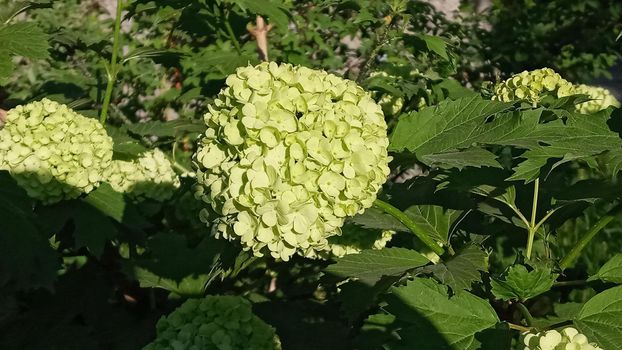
pixel 434 220
pixel 461 270
pixel 424 306
pixel 370 265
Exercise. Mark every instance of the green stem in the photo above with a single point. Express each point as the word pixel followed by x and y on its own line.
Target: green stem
pixel 231 34
pixel 112 69
pixel 583 242
pixel 525 312
pixel 570 283
pixel 518 327
pixel 410 224
pixel 532 224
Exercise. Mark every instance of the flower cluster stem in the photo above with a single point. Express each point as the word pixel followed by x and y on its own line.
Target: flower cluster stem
pixel 112 68
pixel 533 228
pixel 410 224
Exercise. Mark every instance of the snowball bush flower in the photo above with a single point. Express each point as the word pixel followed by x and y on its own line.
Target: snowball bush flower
pixel 601 99
pixel 568 339
pixel 214 322
pixel 532 86
pixel 53 152
pixel 151 176
pixel 353 240
pixel 289 153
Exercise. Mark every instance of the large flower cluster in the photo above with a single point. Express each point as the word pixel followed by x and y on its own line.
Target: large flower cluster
pixel 532 86
pixel 151 176
pixel 53 152
pixel 568 339
pixel 289 153
pixel 214 322
pixel 601 98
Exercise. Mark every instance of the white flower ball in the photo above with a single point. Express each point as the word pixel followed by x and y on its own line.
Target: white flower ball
pixel 289 153
pixel 601 99
pixel 151 176
pixel 53 152
pixel 532 86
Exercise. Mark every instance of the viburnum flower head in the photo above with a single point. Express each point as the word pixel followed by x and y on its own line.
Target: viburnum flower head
pixel 568 339
pixel 289 153
pixel 601 98
pixel 354 240
pixel 151 176
pixel 532 86
pixel 214 322
pixel 53 152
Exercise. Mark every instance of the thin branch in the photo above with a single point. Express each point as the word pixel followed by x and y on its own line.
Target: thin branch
pixel 525 312
pixel 260 33
pixel 518 327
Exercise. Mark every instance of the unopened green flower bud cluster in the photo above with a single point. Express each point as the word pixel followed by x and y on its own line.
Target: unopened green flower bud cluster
pixel 214 323
pixel 353 240
pixel 150 176
pixel 533 86
pixel 601 98
pixel 567 339
pixel 289 153
pixel 53 152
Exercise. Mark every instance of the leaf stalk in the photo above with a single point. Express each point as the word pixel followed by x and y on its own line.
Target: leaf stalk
pixel 410 224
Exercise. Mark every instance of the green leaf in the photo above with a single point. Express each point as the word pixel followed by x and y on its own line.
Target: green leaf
pixel 370 265
pixel 92 229
pixel 274 10
pixel 27 260
pixel 474 156
pixel 14 8
pixel 462 269
pixel 580 138
pixel 600 319
pixel 107 201
pixel 189 286
pixel 435 44
pixel 125 147
pixel 434 220
pixel 167 129
pixel 521 284
pixel 374 218
pixel 611 271
pixel 24 39
pixel 434 321
pixel 450 126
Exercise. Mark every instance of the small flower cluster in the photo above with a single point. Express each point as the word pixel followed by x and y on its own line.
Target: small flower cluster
pixel 289 153
pixel 214 322
pixel 568 339
pixel 151 176
pixel 532 86
pixel 53 152
pixel 601 99
pixel 353 240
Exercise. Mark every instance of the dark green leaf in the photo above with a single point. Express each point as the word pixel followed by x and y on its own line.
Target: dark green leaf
pixel 461 270
pixel 107 201
pixel 370 265
pixel 167 129
pixel 24 39
pixel 435 321
pixel 520 284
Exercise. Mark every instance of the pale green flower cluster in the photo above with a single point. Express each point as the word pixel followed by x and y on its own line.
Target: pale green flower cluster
pixel 568 339
pixel 532 86
pixel 353 240
pixel 214 323
pixel 601 99
pixel 289 153
pixel 149 177
pixel 53 152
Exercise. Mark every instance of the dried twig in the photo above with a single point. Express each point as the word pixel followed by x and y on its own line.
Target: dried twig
pixel 2 116
pixel 260 32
